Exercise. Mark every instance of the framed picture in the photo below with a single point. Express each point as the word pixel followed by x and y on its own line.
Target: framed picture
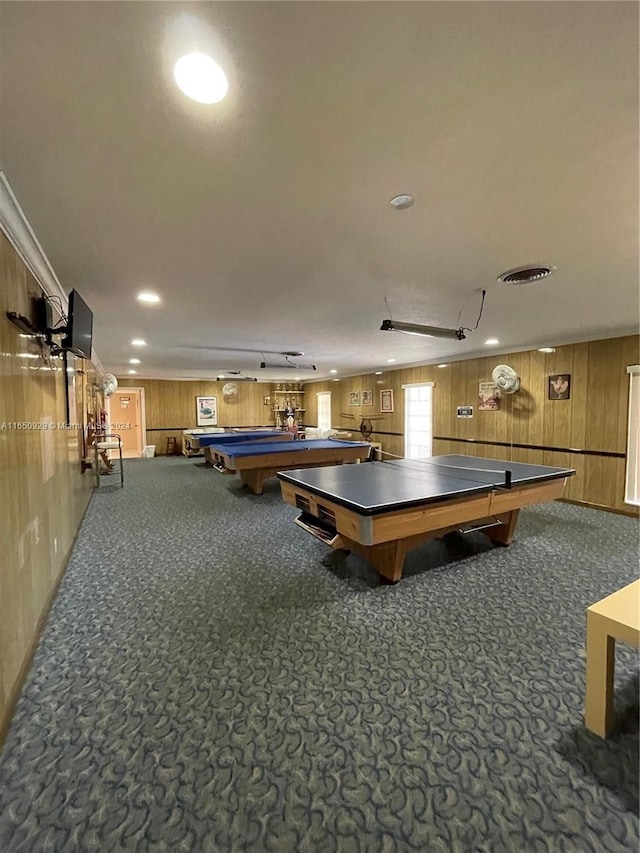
pixel 386 400
pixel 488 397
pixel 366 398
pixel 266 401
pixel 206 411
pixel 464 412
pixel 354 398
pixel 560 386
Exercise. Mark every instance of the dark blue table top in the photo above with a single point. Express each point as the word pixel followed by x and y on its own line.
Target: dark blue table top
pixel 384 486
pixel 260 448
pixel 236 437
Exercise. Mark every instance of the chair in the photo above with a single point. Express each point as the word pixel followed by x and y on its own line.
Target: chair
pixel 102 444
pixel 172 446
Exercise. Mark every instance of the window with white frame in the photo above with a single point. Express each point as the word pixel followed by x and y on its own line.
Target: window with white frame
pixel 632 480
pixel 418 423
pixel 324 410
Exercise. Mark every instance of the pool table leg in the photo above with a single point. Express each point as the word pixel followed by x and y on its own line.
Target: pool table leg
pixel 504 533
pixel 388 559
pixel 253 480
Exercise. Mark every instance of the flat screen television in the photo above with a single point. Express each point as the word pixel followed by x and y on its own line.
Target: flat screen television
pixel 79 331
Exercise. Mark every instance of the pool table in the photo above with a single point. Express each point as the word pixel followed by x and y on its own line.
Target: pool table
pixel 256 461
pixel 385 509
pixel 253 437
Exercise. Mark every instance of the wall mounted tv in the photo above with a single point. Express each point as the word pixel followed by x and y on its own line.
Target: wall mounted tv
pixel 79 330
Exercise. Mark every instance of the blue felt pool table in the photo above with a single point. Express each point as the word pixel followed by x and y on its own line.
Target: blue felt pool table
pixel 256 461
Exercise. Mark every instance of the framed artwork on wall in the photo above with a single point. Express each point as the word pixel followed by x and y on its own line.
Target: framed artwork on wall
pixel 206 411
pixel 560 386
pixel 386 400
pixel 488 397
pixel 366 398
pixel 354 398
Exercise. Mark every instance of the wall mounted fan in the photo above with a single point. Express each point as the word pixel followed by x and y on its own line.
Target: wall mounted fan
pixel 229 389
pixel 108 384
pixel 505 379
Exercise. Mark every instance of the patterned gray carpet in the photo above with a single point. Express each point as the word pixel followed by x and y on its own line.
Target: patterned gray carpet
pixel 206 684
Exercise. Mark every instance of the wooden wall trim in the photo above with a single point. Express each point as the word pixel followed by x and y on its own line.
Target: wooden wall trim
pixel 230 426
pixel 632 513
pixel 611 454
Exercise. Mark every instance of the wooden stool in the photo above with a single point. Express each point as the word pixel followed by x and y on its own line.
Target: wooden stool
pixel 172 447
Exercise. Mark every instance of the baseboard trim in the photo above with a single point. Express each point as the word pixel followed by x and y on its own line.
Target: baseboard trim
pixel 16 690
pixel 631 513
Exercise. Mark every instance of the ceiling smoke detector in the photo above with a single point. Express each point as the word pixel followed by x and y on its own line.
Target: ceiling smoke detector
pixel 526 274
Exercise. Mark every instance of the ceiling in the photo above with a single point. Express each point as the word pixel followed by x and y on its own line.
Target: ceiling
pixel 264 221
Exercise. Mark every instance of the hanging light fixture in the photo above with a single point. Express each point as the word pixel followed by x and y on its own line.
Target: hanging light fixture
pixel 416 329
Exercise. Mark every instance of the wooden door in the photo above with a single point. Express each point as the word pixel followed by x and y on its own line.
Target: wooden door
pixel 126 420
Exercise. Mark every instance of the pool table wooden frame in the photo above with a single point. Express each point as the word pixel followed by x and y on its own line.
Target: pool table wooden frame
pixel 385 539
pixel 284 436
pixel 254 470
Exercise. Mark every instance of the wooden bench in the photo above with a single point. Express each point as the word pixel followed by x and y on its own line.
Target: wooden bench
pixel 616 617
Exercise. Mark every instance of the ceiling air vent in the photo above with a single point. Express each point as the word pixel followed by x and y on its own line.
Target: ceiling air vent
pixel 526 274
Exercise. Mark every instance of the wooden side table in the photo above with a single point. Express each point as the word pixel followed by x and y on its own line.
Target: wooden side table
pixel 616 617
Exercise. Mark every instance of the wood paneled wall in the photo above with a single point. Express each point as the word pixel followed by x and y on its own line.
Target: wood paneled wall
pixel 171 406
pixel 43 494
pixel 593 419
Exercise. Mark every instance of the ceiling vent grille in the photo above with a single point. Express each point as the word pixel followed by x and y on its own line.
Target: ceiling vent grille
pixel 526 274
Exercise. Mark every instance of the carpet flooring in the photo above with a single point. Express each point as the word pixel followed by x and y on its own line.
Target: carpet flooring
pixel 205 683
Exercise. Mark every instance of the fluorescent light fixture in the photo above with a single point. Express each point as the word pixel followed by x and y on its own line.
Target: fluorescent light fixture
pixel 378 373
pixel 333 371
pixel 416 329
pixel 134 361
pixel 200 78
pixel 443 365
pixel 491 342
pixel 27 355
pixel 138 342
pixel 546 349
pixel 272 365
pixel 235 377
pixel 391 361
pixel 133 371
pixel 149 297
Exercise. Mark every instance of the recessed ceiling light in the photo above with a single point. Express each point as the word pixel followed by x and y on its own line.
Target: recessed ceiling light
pixel 133 371
pixel 390 360
pixel 134 361
pixel 148 296
pixel 491 342
pixel 333 371
pixel 546 349
pixel 297 378
pixel 443 365
pixel 138 342
pixel 402 202
pixel 336 380
pixel 200 78
pixel 378 373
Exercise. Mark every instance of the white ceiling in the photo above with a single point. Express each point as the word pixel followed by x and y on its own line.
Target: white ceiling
pixel 264 221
